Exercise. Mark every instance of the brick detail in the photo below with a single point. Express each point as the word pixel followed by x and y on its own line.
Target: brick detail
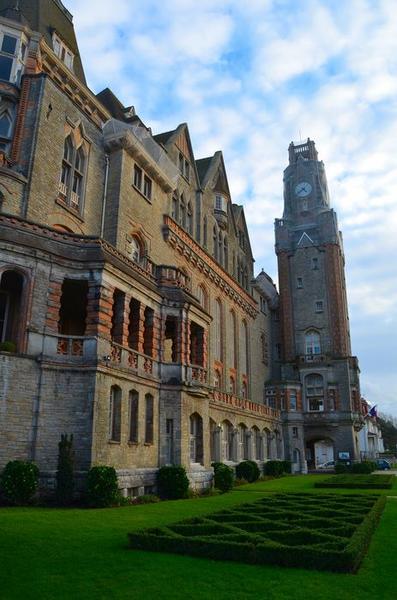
pixel 286 314
pixel 19 133
pixel 337 300
pixel 99 311
pixel 53 306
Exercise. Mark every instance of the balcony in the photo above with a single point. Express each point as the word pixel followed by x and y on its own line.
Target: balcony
pixel 116 356
pixel 312 358
pixel 223 398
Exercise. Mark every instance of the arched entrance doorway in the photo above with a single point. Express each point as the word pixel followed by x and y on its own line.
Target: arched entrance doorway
pixel 319 451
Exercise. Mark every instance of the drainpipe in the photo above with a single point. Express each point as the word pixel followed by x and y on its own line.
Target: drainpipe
pixel 105 191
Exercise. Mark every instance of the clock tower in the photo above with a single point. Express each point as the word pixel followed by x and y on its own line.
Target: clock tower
pixel 320 378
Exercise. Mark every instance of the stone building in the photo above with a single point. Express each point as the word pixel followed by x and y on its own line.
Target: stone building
pixel 129 314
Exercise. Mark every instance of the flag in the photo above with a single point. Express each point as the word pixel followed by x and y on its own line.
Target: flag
pixel 372 412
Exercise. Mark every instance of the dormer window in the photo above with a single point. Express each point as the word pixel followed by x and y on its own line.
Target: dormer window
pixel 12 55
pixel 62 51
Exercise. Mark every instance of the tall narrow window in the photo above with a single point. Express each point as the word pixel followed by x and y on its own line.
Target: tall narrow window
pixel 182 212
pixel 148 331
pixel 170 349
pixel 220 248
pixel 234 340
pixel 312 343
pixel 149 419
pixel 202 296
pixel 72 177
pixel 205 232
pixel 11 287
pixel 215 243
pixel 6 125
pixel 134 324
pixel 78 173
pixel 73 309
pixel 190 219
pixel 118 316
pixel 315 392
pixel 137 177
pixel 134 416
pixel 218 330
pixel 244 348
pixel 66 166
pixel 196 344
pixel 175 207
pixel 147 187
pixel 196 438
pixel 115 414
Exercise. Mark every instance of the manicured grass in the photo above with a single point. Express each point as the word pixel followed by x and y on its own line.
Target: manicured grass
pixel 369 482
pixel 82 554
pixel 323 532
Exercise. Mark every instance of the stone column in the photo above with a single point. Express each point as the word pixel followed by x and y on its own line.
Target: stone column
pixel 99 310
pixel 53 306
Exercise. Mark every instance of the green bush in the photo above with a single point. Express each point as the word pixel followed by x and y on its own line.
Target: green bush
pixel 172 482
pixel 341 467
pixel 102 488
pixel 223 477
pixel 8 347
pixel 276 468
pixel 19 481
pixel 248 470
pixel 146 499
pixel 65 477
pixel 366 467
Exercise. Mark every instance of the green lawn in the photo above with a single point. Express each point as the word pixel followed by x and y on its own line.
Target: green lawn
pixel 51 553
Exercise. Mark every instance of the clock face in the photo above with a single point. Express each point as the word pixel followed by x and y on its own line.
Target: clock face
pixel 303 189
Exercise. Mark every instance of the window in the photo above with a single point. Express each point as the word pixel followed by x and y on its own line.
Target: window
pixel 315 392
pixel 264 349
pixel 115 414
pixel 277 350
pixel 225 253
pixel 137 177
pixel 62 51
pixel 331 400
pixel 319 306
pixel 315 264
pixel 218 330
pixel 189 222
pixel 12 56
pixel 232 385
pixel 182 212
pixel 71 183
pixel 220 247
pixel 196 438
pixel 217 379
pixel 175 207
pixel 234 340
pixel 184 166
pixel 11 287
pixel 134 406
pixel 149 419
pixel 215 243
pixel 244 390
pixel 202 296
pixel 73 307
pixel 220 203
pixel 147 187
pixel 196 344
pixel 293 405
pixel 143 183
pixel 263 305
pixel 295 432
pixel 299 282
pixel 148 331
pixel 312 343
pixel 6 125
pixel 205 232
pixel 136 251
pixel 227 438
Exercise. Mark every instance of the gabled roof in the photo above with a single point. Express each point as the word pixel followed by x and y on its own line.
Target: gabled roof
pixel 114 106
pixel 239 217
pixel 171 137
pixel 203 165
pixel 162 138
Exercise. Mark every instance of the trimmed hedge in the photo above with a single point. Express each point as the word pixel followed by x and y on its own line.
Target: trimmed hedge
pixel 363 482
pixel 102 488
pixel 223 477
pixel 172 482
pixel 19 481
pixel 229 535
pixel 365 467
pixel 276 468
pixel 248 470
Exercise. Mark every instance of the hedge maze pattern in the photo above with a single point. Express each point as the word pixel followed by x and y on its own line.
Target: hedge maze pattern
pixel 295 530
pixel 368 482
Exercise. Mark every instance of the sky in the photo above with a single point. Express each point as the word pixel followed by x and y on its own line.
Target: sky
pixel 249 77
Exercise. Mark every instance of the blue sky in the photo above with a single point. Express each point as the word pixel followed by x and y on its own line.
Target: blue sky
pixel 250 77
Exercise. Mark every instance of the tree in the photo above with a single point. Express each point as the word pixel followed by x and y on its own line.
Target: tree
pixel 389 432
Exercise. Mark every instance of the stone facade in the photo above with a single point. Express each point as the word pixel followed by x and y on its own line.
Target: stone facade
pixel 126 281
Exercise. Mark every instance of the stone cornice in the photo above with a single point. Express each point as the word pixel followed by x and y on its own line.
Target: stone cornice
pixel 179 239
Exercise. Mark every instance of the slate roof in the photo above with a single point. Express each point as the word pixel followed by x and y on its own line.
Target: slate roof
pixel 162 138
pixel 202 165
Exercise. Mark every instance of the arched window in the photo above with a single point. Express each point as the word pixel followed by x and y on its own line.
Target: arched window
pixel 234 340
pixel 244 349
pixel 218 330
pixel 182 212
pixel 315 392
pixel 190 219
pixel 196 439
pixel 244 391
pixel 268 443
pixel 149 407
pixel 232 385
pixel 66 167
pixel 312 343
pixel 217 379
pixel 5 125
pixel 227 439
pixel 78 176
pixel 136 249
pixel 258 443
pixel 134 416
pixel 244 441
pixel 115 414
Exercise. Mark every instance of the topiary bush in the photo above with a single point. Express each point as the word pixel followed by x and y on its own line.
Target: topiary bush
pixel 65 478
pixel 19 481
pixel 341 467
pixel 364 467
pixel 102 488
pixel 276 468
pixel 248 470
pixel 223 477
pixel 172 482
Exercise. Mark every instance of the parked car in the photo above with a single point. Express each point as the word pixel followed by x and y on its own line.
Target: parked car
pixel 382 464
pixel 327 465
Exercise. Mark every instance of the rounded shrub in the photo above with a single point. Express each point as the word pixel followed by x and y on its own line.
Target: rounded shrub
pixel 102 488
pixel 223 477
pixel 19 481
pixel 342 467
pixel 364 467
pixel 172 482
pixel 275 468
pixel 248 470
